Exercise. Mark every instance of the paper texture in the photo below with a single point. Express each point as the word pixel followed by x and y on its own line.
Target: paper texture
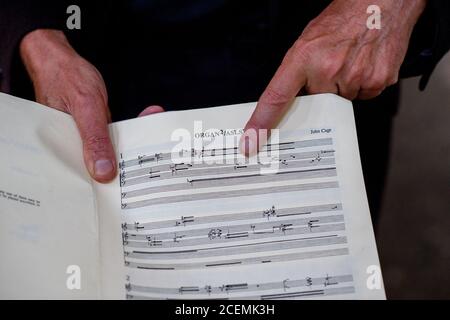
pixel 48 220
pixel 203 222
pixel 186 229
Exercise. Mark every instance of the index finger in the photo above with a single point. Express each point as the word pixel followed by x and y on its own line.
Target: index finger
pixel 288 80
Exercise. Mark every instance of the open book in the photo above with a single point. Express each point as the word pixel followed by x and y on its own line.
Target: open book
pixel 188 217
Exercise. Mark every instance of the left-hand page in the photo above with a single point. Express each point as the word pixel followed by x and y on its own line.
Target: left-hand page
pixel 48 223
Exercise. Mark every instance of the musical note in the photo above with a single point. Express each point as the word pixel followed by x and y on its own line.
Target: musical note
pixel 125 238
pixel 231 287
pixel 214 233
pixel 177 238
pixel 236 235
pixel 239 166
pixel 137 227
pixel 184 220
pixel 141 160
pixel 152 242
pixel 269 213
pixel 283 227
pixel 179 166
pixel 318 158
pixel 285 284
pixel 328 282
pixel 152 176
pixel 311 224
pixel 181 290
pixel 208 289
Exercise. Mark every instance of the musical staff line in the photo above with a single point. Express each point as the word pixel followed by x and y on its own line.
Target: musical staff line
pixel 273 257
pixel 229 194
pixel 186 170
pixel 158 157
pixel 222 181
pixel 219 234
pixel 250 288
pixel 313 158
pixel 208 252
pixel 272 213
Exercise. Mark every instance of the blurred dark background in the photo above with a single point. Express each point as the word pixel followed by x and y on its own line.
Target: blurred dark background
pixel 413 233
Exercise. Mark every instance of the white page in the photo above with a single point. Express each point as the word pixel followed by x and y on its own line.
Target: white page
pixel 185 232
pixel 47 210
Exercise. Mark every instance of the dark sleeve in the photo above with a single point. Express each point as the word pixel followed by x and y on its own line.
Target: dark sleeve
pixel 429 43
pixel 19 17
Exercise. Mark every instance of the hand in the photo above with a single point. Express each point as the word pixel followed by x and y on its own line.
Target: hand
pixel 337 53
pixel 65 81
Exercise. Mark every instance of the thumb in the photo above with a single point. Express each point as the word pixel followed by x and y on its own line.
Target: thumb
pixel 91 117
pixel 151 110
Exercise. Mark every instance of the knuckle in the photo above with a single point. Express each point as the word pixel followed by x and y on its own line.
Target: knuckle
pixel 393 79
pixel 348 93
pixel 312 89
pixel 355 76
pixel 275 98
pixel 301 50
pixel 317 89
pixel 85 99
pixel 374 94
pixel 377 83
pixel 327 69
pixel 96 143
pixel 370 94
pixel 382 78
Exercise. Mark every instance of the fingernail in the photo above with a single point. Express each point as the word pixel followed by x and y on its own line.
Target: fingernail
pixel 103 167
pixel 248 146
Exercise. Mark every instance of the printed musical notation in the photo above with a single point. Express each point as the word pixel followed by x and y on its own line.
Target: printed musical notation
pixel 221 233
pixel 287 288
pixel 267 232
pixel 143 178
pixel 221 152
pixel 265 236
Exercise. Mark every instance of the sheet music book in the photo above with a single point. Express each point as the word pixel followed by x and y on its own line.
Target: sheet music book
pixel 188 217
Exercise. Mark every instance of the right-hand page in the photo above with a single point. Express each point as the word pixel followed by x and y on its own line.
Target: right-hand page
pixel 200 221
